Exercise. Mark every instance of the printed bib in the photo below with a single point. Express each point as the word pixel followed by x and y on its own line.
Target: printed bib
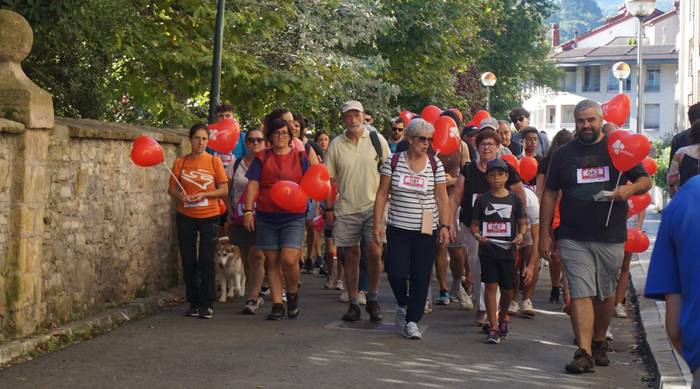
pixel 592 174
pixel 202 203
pixel 413 183
pixel 496 229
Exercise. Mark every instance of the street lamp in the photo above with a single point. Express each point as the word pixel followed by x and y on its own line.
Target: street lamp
pixel 216 63
pixel 488 80
pixel 640 9
pixel 621 70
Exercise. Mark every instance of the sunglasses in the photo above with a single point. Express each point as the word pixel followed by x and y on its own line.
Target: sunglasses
pixel 423 139
pixel 396 129
pixel 254 140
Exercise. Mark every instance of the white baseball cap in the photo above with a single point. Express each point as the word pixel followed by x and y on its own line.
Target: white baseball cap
pixel 352 105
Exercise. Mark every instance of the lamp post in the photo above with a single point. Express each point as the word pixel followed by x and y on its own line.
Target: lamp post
pixel 640 9
pixel 216 65
pixel 621 71
pixel 488 80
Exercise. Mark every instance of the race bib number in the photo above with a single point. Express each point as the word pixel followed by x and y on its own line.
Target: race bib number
pixel 496 229
pixel 202 203
pixel 413 183
pixel 592 174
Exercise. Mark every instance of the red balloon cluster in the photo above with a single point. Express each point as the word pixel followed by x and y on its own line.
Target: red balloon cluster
pixel 289 196
pixel 528 168
pixel 145 151
pixel 478 117
pixel 627 150
pixel 637 241
pixel 457 112
pixel 617 110
pixel 315 183
pixel 446 136
pixel 650 166
pixel 406 116
pixel 637 204
pixel 512 161
pixel 223 135
pixel 431 113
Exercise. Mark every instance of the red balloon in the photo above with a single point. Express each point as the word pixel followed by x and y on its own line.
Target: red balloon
pixel 627 150
pixel 145 151
pixel 617 110
pixel 637 241
pixel 650 166
pixel 528 168
pixel 478 117
pixel 288 195
pixel 451 145
pixel 431 113
pixel 457 112
pixel 223 135
pixel 317 182
pixel 406 116
pixel 445 126
pixel 512 161
pixel 637 204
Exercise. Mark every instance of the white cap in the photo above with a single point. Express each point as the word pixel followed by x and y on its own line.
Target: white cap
pixel 352 105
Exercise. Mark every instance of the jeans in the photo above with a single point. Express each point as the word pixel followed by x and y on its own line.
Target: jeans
pixel 198 272
pixel 409 263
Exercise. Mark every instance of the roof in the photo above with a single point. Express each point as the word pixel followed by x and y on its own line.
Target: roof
pixel 610 53
pixel 651 22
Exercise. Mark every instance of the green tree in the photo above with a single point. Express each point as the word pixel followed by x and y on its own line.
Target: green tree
pixel 576 15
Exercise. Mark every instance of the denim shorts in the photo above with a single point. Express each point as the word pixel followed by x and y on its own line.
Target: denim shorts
pixel 274 236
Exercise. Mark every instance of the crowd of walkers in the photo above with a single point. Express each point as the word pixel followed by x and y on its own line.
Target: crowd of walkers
pixel 399 207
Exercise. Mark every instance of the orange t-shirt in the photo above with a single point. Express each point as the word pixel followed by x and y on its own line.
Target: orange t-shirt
pixel 200 174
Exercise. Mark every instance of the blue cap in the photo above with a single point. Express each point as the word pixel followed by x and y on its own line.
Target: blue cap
pixel 497 164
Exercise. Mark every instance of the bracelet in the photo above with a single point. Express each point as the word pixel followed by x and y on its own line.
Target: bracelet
pixel 248 210
pixel 444 226
pixel 248 213
pixel 476 235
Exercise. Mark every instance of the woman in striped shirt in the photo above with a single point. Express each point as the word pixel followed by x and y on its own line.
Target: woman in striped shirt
pixel 418 220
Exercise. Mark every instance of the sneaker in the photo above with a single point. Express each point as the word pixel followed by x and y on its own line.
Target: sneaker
pixel 293 305
pixel 513 308
pixel 328 284
pixel 480 318
pixel 322 271
pixel 276 313
pixel 284 296
pixel 362 297
pixel 308 266
pixel 620 310
pixel 192 311
pixel 400 318
pixel 375 313
pixel 528 309
pixel 344 297
pixel 265 289
pixel 554 295
pixel 503 328
pixel 353 313
pixel 428 305
pixel 251 306
pixel 318 263
pixel 443 298
pixel 410 331
pixel 465 300
pixel 600 353
pixel 206 313
pixel 339 285
pixel 492 337
pixel 582 363
pixel 609 335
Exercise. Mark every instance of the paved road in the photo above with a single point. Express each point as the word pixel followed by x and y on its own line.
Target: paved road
pixel 237 351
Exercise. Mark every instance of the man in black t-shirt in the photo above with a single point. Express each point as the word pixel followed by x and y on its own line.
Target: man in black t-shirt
pixel 591 251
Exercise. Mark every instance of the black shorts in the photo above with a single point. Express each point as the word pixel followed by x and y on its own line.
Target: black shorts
pixel 501 271
pixel 328 234
pixel 239 236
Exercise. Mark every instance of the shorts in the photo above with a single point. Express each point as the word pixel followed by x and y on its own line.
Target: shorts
pixel 311 209
pixel 348 230
pixel 275 236
pixel 239 236
pixel 592 268
pixel 328 233
pixel 501 271
pixel 460 239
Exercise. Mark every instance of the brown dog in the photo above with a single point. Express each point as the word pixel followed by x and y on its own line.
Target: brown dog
pixel 229 270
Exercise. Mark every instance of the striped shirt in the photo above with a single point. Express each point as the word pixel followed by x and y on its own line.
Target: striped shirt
pixel 412 193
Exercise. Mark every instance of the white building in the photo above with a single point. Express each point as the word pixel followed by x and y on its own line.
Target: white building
pixel 688 59
pixel 586 62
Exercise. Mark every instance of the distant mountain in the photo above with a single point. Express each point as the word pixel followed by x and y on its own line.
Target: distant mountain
pixel 609 7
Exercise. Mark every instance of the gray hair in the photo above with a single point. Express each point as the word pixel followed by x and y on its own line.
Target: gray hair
pixel 396 120
pixel 588 104
pixel 417 126
pixel 504 122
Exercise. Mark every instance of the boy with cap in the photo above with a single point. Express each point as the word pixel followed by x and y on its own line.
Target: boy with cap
pixel 498 223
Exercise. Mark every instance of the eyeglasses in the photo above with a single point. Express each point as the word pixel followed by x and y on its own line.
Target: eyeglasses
pixel 487 144
pixel 396 129
pixel 281 134
pixel 255 140
pixel 423 139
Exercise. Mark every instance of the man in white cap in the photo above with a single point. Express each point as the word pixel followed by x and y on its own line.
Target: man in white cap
pixel 353 159
pixel 492 124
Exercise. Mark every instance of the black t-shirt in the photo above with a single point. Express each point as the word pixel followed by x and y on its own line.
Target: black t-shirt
pixel 580 171
pixel 498 220
pixel 475 184
pixel 515 148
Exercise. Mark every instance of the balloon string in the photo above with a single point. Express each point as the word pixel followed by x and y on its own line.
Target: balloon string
pixel 176 180
pixel 612 200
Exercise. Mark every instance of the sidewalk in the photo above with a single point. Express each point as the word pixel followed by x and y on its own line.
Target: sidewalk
pixel 316 351
pixel 670 368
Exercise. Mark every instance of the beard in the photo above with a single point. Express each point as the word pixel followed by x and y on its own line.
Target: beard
pixel 588 137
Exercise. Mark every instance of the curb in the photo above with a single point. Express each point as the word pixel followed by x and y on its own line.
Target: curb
pixel 671 371
pixel 76 331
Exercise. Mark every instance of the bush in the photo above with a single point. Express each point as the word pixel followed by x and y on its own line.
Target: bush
pixel 663 155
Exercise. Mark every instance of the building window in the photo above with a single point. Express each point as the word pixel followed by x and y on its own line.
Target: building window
pixel 591 79
pixel 613 83
pixel 652 116
pixel 653 80
pixel 568 82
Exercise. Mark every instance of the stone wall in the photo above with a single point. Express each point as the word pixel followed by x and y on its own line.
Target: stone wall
pixel 8 142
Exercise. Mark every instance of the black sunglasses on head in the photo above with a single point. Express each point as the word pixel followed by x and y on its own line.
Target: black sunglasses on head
pixel 254 140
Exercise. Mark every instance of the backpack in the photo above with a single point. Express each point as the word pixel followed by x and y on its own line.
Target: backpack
pixel 395 161
pixel 374 137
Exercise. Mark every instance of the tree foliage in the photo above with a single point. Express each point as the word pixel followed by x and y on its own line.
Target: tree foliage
pixel 149 62
pixel 576 15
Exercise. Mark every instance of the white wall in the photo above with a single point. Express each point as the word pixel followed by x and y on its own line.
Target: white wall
pixel 626 28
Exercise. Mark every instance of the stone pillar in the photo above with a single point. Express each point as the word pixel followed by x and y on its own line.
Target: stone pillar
pixel 23 101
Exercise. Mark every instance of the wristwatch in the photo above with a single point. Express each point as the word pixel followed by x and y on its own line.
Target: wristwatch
pixel 444 226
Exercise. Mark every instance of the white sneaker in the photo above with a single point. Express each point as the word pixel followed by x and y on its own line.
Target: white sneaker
pixel 339 285
pixel 344 297
pixel 609 335
pixel 465 300
pixel 362 297
pixel 620 310
pixel 284 296
pixel 329 283
pixel 428 305
pixel 528 309
pixel 513 308
pixel 410 331
pixel 400 319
